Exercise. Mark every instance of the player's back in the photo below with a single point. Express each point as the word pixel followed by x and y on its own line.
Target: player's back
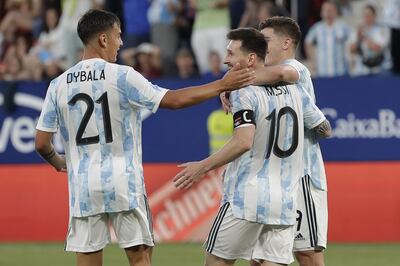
pixel 261 183
pixel 98 106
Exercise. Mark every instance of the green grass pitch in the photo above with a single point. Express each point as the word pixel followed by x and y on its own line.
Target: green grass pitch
pixel 43 254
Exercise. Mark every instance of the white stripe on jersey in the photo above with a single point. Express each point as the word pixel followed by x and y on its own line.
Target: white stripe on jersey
pixel 313 162
pixel 261 185
pixel 103 150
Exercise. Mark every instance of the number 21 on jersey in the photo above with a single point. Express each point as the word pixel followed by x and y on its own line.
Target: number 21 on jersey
pixel 103 100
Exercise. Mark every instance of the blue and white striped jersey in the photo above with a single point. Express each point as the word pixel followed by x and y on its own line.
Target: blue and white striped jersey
pixel 261 185
pixel 313 162
pixel 96 105
pixel 331 43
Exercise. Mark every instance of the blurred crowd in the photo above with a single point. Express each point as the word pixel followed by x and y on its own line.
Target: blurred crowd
pixel 186 38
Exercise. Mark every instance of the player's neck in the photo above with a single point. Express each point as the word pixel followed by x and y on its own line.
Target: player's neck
pixel 89 53
pixel 257 65
pixel 286 55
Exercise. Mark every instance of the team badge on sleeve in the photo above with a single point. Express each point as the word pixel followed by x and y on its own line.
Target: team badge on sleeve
pixel 243 117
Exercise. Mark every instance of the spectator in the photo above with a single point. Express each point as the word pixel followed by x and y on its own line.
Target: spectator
pixel 164 34
pixel 392 19
pixel 185 64
pixel 145 59
pixel 266 10
pixel 71 12
pixel 216 72
pixel 19 16
pixel 48 52
pixel 210 27
pixel 16 66
pixel 236 10
pixel 12 70
pixel 371 45
pixel 16 18
pixel 136 24
pixel 184 23
pixel 219 128
pixel 250 15
pixel 326 44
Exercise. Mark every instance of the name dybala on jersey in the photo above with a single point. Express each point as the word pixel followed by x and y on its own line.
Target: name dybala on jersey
pixel 96 105
pixel 313 161
pixel 261 184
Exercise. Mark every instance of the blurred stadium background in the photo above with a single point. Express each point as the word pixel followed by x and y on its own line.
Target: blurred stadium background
pixel 362 158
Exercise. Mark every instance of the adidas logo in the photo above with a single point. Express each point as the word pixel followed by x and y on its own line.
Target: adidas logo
pixel 299 237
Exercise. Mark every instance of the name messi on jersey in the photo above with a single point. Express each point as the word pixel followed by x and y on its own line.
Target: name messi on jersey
pixel 277 90
pixel 82 76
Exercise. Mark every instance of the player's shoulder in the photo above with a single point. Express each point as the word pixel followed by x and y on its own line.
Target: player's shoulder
pixel 245 93
pixel 122 69
pixel 248 91
pixel 297 65
pixel 294 63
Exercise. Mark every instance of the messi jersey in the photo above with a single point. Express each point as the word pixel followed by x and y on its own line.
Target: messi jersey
pixel 261 184
pixel 96 106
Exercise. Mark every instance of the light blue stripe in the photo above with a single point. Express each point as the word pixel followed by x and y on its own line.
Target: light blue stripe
pixel 76 116
pixel 127 136
pixel 264 193
pixel 137 96
pixel 287 175
pixel 244 169
pixel 50 109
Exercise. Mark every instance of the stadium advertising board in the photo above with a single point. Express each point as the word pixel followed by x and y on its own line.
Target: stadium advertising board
pixel 34 203
pixel 364 113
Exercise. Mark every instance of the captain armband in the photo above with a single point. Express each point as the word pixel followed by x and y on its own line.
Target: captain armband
pixel 243 117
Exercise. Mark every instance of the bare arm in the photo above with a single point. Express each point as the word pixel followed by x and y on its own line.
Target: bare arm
pixel 274 74
pixel 323 130
pixel 234 79
pixel 46 150
pixel 241 142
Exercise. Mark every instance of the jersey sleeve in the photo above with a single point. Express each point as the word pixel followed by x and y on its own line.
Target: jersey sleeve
pixel 311 113
pixel 48 120
pixel 141 93
pixel 241 100
pixel 295 65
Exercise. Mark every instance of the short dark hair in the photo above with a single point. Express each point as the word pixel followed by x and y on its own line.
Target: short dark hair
pixel 95 21
pixel 252 40
pixel 283 26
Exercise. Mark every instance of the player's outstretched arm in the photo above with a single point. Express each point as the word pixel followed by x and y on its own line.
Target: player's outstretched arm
pixel 266 75
pixel 241 142
pixel 275 74
pixel 234 79
pixel 323 130
pixel 46 150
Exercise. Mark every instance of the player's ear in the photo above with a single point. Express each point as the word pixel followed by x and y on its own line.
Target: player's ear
pixel 286 43
pixel 102 40
pixel 251 59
